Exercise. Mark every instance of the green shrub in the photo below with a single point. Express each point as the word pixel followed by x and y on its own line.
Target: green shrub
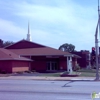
pixel 66 72
pixel 33 70
pixel 3 72
pixel 77 67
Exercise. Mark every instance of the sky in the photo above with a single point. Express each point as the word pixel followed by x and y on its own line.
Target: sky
pixel 52 22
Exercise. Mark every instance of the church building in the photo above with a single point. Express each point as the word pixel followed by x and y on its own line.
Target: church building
pixel 27 55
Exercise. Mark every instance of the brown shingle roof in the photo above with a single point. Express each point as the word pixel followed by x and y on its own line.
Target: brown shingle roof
pixel 40 51
pixel 25 47
pixel 23 44
pixel 8 55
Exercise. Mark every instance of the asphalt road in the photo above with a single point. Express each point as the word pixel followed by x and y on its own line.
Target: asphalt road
pixel 47 90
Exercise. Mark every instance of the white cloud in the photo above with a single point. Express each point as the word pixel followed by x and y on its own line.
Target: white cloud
pixel 9 31
pixel 67 22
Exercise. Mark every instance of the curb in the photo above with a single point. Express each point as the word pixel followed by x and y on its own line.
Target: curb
pixel 40 78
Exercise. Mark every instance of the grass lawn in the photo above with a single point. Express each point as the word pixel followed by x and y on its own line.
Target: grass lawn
pixel 81 73
pixel 87 72
pixel 52 74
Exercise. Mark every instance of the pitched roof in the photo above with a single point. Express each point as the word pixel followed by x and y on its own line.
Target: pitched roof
pixel 24 47
pixel 40 51
pixel 8 55
pixel 23 44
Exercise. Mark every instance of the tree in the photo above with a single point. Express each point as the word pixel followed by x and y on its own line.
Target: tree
pixel 1 43
pixel 7 43
pixel 67 47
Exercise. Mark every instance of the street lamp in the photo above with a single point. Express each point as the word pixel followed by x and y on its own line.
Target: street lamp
pixel 96 44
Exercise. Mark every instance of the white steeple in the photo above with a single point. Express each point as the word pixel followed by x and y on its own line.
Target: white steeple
pixel 29 34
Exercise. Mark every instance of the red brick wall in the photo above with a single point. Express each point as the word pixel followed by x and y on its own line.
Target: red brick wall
pixel 14 66
pixel 63 63
pixel 74 62
pixel 83 61
pixel 39 63
pixel 6 66
pixel 18 66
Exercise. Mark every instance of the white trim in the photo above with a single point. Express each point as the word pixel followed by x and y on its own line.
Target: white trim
pixel 40 55
pixel 52 56
pixel 71 55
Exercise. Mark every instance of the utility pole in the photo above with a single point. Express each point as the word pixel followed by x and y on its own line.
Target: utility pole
pixel 96 44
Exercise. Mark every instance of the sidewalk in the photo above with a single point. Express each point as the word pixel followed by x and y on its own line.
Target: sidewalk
pixel 49 78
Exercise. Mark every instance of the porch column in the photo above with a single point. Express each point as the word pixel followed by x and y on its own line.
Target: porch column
pixel 69 64
pixel 89 62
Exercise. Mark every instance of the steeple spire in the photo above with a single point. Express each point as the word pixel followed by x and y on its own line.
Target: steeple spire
pixel 29 34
